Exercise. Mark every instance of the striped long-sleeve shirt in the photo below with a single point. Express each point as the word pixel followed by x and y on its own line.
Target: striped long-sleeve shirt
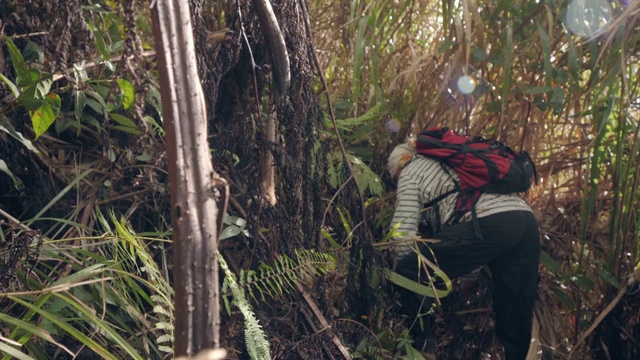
pixel 423 180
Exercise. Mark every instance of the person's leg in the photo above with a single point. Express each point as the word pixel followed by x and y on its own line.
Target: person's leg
pixel 455 256
pixel 510 245
pixel 515 278
pixel 460 250
pixel 452 254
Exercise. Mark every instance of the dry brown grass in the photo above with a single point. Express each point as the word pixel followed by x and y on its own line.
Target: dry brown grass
pixel 523 60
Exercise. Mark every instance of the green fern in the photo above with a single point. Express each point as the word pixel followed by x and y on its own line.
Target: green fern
pixel 366 178
pixel 285 274
pixel 335 169
pixel 256 340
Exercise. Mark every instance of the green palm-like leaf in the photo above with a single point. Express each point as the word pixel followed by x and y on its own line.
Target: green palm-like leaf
pixel 255 338
pixel 286 273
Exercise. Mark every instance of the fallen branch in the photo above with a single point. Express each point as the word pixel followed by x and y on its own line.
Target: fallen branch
pixel 325 324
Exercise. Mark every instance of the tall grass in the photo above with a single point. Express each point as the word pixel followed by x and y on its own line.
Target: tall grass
pixel 108 297
pixel 570 100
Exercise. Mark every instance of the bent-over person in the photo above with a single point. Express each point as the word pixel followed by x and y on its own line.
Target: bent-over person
pixel 508 242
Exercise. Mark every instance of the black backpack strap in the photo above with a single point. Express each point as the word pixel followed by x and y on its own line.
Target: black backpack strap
pixel 476 223
pixel 528 157
pixel 435 202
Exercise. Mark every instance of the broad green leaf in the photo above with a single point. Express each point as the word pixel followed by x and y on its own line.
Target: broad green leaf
pixel 583 282
pixel 53 99
pixel 564 299
pixel 330 238
pixel 550 263
pixel 417 287
pixel 43 84
pixel 413 353
pixel 128 130
pixel 102 91
pixel 81 101
pixel 366 178
pixel 608 277
pixel 11 86
pixel 100 43
pixel 124 121
pixel 18 136
pixel 144 157
pixel 346 221
pixel 91 120
pixel 229 232
pixel 128 93
pixel 32 95
pixel 42 119
pixel 235 220
pixel 96 105
pixel 5 169
pixel 19 65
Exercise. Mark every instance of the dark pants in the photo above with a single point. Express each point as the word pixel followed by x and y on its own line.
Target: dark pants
pixel 510 246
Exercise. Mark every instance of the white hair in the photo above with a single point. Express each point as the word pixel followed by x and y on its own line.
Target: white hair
pixel 400 157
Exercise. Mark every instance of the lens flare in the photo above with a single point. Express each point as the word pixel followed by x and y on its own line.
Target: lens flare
pixel 586 17
pixel 466 84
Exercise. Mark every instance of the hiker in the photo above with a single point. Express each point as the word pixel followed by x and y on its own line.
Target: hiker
pixel 508 243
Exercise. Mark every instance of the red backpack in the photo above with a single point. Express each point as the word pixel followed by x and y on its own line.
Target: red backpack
pixel 482 165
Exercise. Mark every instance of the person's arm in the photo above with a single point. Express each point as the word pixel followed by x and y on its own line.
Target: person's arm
pixel 407 214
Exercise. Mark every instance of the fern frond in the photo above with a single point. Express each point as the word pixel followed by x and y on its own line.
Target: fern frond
pixel 366 178
pixel 285 274
pixel 335 169
pixel 256 340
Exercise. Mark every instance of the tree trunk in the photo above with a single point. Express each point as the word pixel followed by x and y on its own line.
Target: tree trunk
pixel 254 117
pixel 197 194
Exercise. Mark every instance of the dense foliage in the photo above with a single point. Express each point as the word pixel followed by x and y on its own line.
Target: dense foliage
pixel 85 248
